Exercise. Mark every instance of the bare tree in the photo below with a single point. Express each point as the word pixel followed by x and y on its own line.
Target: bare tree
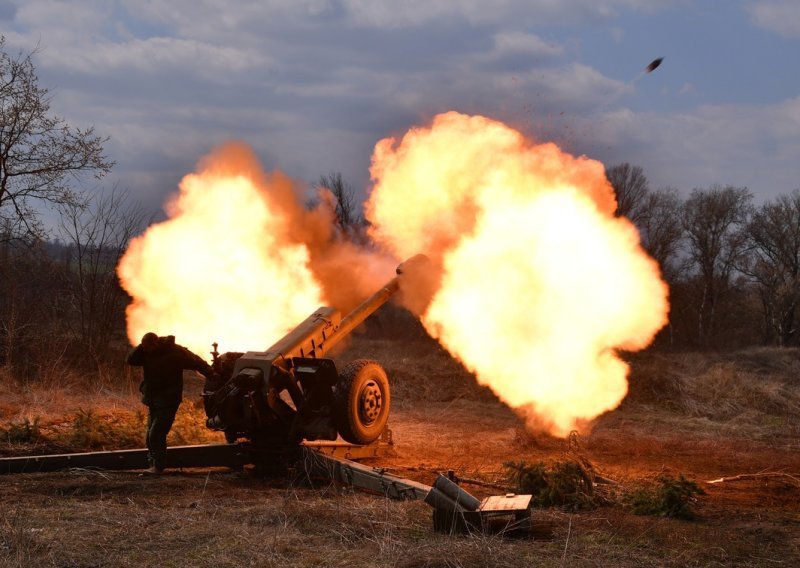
pixel 347 216
pixel 715 222
pixel 631 188
pixel 98 232
pixel 39 153
pixel 774 265
pixel 661 229
pixel 657 214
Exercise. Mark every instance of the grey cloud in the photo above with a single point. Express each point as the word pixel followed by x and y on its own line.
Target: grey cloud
pixel 83 40
pixel 286 63
pixel 778 16
pixel 156 55
pixel 155 143
pixel 409 13
pixel 741 145
pixel 207 19
pixel 312 85
pixel 514 45
pixel 63 19
pixel 164 112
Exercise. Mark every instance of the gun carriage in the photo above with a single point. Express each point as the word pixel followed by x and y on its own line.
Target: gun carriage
pixel 293 391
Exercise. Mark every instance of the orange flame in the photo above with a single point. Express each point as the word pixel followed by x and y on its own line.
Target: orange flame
pixel 540 283
pixel 227 266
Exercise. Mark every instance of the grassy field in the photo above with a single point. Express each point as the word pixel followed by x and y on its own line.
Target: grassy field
pixel 687 417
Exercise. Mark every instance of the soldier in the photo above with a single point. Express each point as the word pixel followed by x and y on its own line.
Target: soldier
pixel 163 362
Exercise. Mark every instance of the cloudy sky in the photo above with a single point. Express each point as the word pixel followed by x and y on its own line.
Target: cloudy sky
pixel 313 84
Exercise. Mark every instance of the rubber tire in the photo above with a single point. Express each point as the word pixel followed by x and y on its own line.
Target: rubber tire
pixel 356 378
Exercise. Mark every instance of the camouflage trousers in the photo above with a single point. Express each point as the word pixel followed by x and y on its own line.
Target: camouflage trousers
pixel 159 422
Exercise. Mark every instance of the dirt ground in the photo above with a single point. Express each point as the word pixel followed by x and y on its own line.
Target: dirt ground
pixel 441 420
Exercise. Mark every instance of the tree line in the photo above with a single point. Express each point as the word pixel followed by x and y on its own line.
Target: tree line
pixel 61 306
pixel 733 267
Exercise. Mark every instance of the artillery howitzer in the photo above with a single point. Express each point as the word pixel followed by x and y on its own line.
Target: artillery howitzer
pixel 292 391
pixel 276 399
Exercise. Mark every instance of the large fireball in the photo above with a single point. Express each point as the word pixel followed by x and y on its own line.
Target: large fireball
pixel 540 283
pixel 225 266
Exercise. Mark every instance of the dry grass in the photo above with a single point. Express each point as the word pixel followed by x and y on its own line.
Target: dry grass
pixel 752 394
pixel 703 416
pixel 45 418
pixel 213 519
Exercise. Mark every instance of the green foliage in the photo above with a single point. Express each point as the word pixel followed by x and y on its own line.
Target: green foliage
pixel 671 498
pixel 189 426
pixel 93 431
pixel 567 484
pixel 25 432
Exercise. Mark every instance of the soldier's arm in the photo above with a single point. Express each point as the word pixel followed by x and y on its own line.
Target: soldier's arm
pixel 136 357
pixel 195 363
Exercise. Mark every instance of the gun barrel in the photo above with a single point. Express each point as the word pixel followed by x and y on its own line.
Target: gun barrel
pixel 310 338
pixel 379 298
pixel 363 311
pixel 323 329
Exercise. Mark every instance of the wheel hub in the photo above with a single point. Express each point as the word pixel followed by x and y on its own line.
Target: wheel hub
pixel 370 403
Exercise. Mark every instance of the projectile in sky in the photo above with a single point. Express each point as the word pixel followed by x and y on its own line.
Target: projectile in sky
pixel 653 64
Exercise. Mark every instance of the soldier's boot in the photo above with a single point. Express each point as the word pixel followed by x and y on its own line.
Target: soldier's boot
pixel 155 468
